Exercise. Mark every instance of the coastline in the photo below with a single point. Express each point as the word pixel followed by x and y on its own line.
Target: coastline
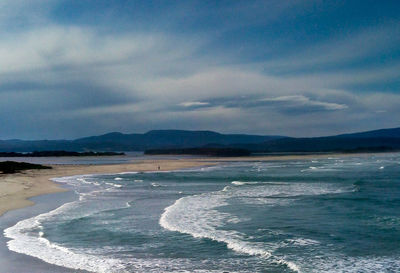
pixel 49 195
pixel 30 193
pixel 17 189
pixel 16 262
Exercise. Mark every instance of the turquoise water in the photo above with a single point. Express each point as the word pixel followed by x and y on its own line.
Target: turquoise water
pixel 321 215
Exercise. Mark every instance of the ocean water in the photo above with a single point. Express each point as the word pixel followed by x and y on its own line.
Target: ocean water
pixel 340 214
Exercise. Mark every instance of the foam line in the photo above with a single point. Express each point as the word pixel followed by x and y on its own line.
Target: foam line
pixel 24 241
pixel 196 215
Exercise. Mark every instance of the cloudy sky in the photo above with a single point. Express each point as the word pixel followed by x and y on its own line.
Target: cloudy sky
pixel 300 68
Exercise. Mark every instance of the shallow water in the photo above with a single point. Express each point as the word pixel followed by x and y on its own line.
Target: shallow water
pixel 322 215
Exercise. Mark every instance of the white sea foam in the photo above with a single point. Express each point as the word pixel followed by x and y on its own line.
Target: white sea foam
pixel 266 192
pixel 117 178
pixel 28 238
pixel 238 183
pixel 209 168
pixel 138 180
pixel 74 180
pixel 241 183
pixel 292 190
pixel 197 215
pixel 114 185
pixel 85 181
pixel 25 240
pixel 125 173
pixel 319 169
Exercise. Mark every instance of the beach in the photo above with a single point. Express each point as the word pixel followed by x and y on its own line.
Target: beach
pixel 152 215
pixel 16 189
pixel 35 191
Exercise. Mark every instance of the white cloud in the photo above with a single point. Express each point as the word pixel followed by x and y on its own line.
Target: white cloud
pixel 152 73
pixel 193 103
pixel 300 100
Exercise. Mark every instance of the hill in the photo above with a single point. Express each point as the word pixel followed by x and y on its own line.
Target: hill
pixel 377 140
pixel 385 133
pixel 370 141
pixel 116 141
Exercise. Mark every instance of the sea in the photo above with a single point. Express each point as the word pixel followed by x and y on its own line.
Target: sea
pixel 336 214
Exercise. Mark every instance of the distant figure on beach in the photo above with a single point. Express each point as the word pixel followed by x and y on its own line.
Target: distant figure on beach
pixel 158 167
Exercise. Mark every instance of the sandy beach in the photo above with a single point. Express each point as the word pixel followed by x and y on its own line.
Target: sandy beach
pixel 16 189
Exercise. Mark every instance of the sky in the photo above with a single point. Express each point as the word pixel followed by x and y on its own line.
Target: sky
pixel 70 69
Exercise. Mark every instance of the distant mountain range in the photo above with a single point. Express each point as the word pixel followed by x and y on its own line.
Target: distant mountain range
pixel 135 142
pixel 370 141
pixel 378 140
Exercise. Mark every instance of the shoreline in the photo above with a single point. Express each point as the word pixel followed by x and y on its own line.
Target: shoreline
pixel 17 189
pixel 50 195
pixel 16 262
pixel 34 192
